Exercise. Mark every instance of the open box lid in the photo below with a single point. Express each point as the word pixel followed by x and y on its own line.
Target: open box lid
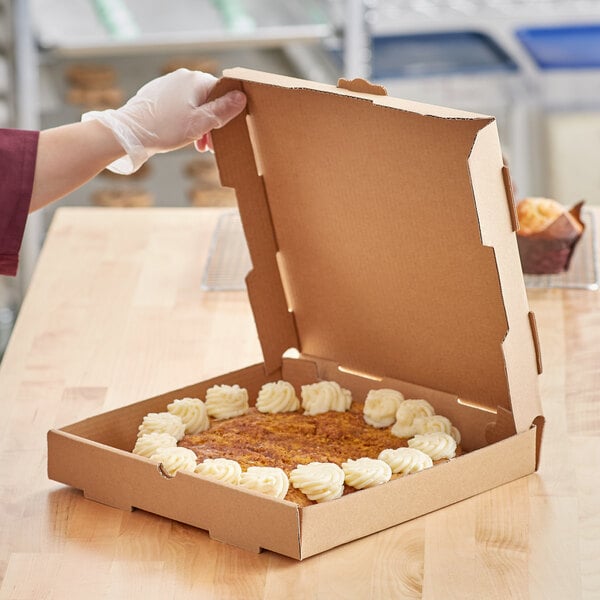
pixel 382 237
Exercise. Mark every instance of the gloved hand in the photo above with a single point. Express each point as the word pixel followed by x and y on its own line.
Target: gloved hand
pixel 168 113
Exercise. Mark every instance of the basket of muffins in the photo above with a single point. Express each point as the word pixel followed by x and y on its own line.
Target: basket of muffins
pixel 548 235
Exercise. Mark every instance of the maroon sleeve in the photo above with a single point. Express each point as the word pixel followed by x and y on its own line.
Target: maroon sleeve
pixel 18 151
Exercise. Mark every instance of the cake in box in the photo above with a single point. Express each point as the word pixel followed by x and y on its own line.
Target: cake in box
pixel 384 253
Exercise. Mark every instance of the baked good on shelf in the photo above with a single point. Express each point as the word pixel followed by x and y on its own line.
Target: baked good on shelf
pixel 547 235
pixel 122 198
pixel 212 196
pixel 93 86
pixel 98 99
pixel 203 170
pixel 193 63
pixel 91 76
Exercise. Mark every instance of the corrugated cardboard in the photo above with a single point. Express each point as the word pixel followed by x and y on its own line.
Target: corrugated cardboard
pixel 381 233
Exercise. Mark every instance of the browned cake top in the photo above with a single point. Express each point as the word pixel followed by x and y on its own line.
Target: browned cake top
pixel 286 440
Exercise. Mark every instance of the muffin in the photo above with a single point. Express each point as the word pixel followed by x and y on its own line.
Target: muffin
pixel 548 233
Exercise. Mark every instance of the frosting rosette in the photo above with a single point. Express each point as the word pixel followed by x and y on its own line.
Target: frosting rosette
pixel 277 397
pixel 173 460
pixel 381 406
pixel 226 401
pixel 436 445
pixel 223 469
pixel 404 461
pixel 432 424
pixel 366 472
pixel 147 444
pixel 323 396
pixel 455 433
pixel 406 414
pixel 436 423
pixel 267 480
pixel 163 422
pixel 192 413
pixel 319 481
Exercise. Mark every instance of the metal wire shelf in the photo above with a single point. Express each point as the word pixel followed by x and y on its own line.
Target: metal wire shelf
pixel 228 260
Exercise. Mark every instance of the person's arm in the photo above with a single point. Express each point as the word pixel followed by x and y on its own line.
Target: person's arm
pixel 18 150
pixel 69 156
pixel 167 113
pixel 37 168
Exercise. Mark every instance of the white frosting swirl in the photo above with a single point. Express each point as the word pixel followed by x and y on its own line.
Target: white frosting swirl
pixel 407 412
pixel 192 412
pixel 324 396
pixel 381 407
pixel 437 445
pixel 436 423
pixel 277 397
pixel 226 401
pixel 405 460
pixel 223 469
pixel 175 459
pixel 319 481
pixel 268 480
pixel 432 424
pixel 455 433
pixel 163 422
pixel 366 472
pixel 147 444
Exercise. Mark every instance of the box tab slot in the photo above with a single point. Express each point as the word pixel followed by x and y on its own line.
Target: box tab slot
pixel 536 342
pixel 510 198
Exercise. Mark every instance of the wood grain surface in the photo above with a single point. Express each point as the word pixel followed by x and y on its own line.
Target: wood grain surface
pixel 116 314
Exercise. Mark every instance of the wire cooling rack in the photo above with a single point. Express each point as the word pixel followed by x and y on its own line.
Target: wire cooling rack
pixel 583 271
pixel 228 260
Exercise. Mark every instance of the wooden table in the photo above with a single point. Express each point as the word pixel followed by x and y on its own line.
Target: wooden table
pixel 115 314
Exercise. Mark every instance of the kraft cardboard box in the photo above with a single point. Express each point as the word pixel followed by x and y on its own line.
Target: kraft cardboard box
pixel 382 238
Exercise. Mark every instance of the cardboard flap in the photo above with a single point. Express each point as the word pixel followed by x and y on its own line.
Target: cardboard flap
pixel 384 225
pixel 275 324
pixel 362 86
pixel 510 198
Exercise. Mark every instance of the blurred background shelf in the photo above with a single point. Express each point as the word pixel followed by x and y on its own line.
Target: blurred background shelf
pixel 533 64
pixel 116 27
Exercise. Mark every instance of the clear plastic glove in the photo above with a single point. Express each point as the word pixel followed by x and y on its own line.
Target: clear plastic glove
pixel 168 113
